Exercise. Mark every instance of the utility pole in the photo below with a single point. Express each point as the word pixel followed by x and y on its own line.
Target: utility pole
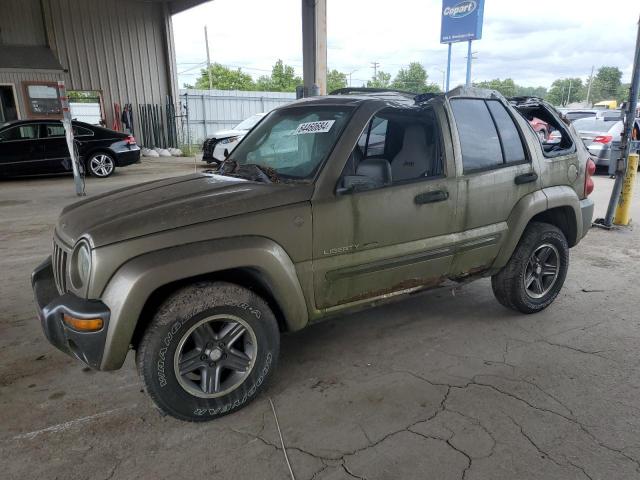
pixel 206 41
pixel 469 55
pixel 625 143
pixel 350 73
pixel 569 94
pixel 375 66
pixel 589 87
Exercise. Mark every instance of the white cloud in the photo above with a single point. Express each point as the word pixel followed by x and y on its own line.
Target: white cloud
pixel 531 42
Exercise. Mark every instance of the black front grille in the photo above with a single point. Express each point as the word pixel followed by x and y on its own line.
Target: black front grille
pixel 208 147
pixel 59 260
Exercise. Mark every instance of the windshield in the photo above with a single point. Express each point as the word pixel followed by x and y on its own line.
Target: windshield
pixel 293 142
pixel 249 123
pixel 593 125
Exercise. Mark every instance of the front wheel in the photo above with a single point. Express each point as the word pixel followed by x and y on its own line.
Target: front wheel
pixel 535 273
pixel 101 165
pixel 208 351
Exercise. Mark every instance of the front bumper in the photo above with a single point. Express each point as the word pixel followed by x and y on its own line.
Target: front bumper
pixel 87 347
pixel 586 208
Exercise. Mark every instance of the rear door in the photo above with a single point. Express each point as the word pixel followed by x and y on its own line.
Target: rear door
pixel 497 171
pixel 21 152
pixel 56 152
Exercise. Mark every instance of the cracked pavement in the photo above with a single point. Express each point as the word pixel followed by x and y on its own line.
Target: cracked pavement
pixel 446 384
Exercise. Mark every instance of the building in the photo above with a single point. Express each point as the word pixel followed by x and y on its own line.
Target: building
pixel 110 52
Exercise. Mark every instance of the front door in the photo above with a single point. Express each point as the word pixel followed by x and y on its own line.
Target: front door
pixel 21 152
pixel 394 237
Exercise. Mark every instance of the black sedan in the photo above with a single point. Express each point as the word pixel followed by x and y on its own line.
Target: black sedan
pixel 39 147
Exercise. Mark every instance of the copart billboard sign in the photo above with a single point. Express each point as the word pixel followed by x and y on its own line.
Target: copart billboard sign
pixel 461 20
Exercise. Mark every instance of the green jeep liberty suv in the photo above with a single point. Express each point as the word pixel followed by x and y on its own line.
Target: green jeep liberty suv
pixel 327 205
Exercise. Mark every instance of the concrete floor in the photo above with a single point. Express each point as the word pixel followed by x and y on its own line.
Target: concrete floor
pixel 445 385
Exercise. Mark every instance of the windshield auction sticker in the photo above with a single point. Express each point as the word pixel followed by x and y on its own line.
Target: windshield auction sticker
pixel 322 126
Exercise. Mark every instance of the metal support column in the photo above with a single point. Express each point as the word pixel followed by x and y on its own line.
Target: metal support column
pixel 630 115
pixel 448 68
pixel 314 47
pixel 468 82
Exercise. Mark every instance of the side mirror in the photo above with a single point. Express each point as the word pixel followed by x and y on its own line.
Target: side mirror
pixel 226 153
pixel 356 183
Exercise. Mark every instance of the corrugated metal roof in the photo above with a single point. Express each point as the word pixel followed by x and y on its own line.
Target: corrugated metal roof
pixel 28 57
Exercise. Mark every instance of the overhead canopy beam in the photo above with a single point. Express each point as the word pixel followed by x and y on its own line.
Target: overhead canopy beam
pixel 314 47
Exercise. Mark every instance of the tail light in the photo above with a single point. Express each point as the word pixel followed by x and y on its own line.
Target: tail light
pixel 603 139
pixel 588 181
pixel 130 140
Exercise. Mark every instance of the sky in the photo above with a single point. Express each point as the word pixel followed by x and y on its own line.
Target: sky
pixel 532 42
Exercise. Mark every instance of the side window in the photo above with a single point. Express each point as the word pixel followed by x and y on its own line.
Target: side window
pixel 405 140
pixel 372 141
pixel 509 136
pixel 478 135
pixel 53 130
pixel 81 131
pixel 21 132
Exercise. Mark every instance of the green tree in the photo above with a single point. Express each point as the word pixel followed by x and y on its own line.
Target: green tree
pixel 606 84
pixel 540 92
pixel 336 80
pixel 506 87
pixel 224 78
pixel 566 90
pixel 282 79
pixel 380 80
pixel 414 79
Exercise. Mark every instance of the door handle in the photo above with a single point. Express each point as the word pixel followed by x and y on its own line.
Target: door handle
pixel 526 178
pixel 431 197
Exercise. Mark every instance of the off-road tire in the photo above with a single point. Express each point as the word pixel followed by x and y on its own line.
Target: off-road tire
pixel 176 316
pixel 509 283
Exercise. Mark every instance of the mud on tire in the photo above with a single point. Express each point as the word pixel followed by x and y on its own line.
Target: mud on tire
pixel 196 324
pixel 509 284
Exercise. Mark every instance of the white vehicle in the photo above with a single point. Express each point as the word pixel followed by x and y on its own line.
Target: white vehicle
pixel 215 145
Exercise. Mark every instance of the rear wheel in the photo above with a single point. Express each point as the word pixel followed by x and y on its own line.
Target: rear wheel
pixel 535 273
pixel 101 165
pixel 208 351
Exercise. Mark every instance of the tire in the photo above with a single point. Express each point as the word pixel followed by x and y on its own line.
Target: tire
pixel 189 329
pixel 524 287
pixel 101 165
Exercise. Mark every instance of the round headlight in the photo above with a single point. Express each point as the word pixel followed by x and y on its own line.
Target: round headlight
pixel 80 265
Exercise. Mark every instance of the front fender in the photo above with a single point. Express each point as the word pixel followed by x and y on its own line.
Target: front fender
pixel 135 281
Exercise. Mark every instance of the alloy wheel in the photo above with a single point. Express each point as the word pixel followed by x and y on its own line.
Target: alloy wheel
pixel 215 356
pixel 101 165
pixel 542 271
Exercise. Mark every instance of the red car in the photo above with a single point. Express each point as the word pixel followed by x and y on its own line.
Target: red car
pixel 541 128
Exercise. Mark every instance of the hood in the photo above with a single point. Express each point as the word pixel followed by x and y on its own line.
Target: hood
pixel 227 133
pixel 171 203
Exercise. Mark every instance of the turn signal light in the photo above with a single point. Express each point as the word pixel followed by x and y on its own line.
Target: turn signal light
pixel 83 324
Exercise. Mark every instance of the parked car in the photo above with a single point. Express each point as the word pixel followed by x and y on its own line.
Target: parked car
pixel 575 114
pixel 214 146
pixel 598 135
pixel 328 205
pixel 540 127
pixel 39 147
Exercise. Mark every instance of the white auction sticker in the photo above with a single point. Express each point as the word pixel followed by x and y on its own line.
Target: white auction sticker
pixel 322 126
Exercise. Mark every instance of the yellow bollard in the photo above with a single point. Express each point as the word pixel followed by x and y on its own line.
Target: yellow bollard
pixel 623 210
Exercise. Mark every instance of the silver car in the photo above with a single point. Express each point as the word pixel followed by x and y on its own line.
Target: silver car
pixel 598 134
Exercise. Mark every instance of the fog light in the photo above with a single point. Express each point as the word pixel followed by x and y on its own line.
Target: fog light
pixel 83 324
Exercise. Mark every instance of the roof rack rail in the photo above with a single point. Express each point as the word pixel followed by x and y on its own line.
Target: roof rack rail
pixel 367 90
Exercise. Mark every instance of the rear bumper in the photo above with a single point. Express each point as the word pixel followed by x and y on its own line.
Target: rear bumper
pixel 127 157
pixel 586 208
pixel 87 347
